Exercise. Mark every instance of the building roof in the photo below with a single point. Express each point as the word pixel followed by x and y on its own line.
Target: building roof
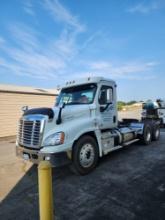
pixel 27 90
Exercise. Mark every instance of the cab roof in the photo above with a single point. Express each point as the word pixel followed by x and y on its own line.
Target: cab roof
pixel 85 80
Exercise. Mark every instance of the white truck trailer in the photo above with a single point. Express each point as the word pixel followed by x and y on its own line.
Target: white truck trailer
pixel 81 127
pixel 154 110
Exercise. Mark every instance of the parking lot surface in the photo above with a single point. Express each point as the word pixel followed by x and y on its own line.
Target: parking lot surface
pixel 127 184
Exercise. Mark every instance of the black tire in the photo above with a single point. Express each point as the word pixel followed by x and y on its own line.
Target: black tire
pixel 85 155
pixel 146 137
pixel 156 133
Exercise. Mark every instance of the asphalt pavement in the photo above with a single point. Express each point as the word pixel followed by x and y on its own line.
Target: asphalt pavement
pixel 127 184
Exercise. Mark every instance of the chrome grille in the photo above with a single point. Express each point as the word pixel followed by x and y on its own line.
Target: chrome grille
pixel 30 133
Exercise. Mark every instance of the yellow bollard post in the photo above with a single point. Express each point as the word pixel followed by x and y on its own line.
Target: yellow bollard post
pixel 45 191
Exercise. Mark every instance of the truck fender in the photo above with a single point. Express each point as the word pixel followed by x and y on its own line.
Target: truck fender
pixel 96 134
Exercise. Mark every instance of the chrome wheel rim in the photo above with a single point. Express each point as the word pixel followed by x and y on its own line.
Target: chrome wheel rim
pixel 87 155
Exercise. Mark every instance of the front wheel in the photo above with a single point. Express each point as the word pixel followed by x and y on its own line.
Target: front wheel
pixel 85 155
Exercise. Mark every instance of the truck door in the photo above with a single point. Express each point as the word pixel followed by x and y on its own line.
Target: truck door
pixel 107 107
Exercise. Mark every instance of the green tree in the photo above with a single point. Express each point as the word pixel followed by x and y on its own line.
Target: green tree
pixel 131 102
pixel 120 105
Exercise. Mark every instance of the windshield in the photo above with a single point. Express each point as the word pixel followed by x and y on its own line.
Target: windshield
pixel 83 94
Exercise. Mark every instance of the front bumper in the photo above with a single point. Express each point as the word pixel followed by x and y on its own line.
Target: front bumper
pixel 35 156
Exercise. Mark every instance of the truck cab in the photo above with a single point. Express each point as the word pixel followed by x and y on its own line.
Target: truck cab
pixel 81 127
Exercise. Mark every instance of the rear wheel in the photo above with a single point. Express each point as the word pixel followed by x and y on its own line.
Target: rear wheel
pixel 156 133
pixel 147 135
pixel 85 155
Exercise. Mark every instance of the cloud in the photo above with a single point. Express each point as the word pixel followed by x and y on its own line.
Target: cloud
pixel 2 40
pixel 129 70
pixel 101 65
pixel 145 8
pixel 151 64
pixel 34 65
pixel 28 7
pixel 32 54
pixel 91 38
pixel 56 59
pixel 65 45
pixel 60 13
pixel 23 35
pixel 30 57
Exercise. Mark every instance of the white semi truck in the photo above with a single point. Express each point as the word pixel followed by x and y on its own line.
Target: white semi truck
pixel 81 127
pixel 154 110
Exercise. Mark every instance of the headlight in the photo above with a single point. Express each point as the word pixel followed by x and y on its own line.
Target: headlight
pixel 55 139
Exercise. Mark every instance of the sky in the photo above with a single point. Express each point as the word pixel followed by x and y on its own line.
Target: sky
pixel 44 43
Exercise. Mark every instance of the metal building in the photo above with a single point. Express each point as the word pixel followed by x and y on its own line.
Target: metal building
pixel 13 98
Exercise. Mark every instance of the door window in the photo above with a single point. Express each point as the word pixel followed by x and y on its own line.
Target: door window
pixel 106 95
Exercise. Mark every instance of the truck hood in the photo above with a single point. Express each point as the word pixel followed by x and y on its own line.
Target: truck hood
pixel 68 113
pixel 71 112
pixel 70 117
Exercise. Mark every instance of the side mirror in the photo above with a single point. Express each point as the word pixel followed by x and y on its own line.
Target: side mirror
pixel 109 96
pixel 24 108
pixel 106 96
